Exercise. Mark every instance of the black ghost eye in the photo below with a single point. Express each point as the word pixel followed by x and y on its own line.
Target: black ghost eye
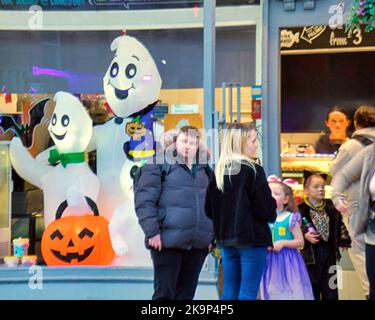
pixel 56 234
pixel 114 70
pixel 54 119
pixel 86 232
pixel 65 120
pixel 130 71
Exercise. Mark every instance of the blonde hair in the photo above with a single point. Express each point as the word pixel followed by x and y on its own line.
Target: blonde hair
pixel 232 152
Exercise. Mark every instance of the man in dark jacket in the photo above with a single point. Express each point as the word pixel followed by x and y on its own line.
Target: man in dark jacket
pixel 170 210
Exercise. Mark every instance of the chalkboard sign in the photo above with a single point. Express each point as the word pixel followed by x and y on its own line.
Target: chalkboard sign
pixel 323 37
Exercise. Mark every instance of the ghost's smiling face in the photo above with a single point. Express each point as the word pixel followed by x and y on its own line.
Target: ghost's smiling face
pixel 70 126
pixel 132 81
pixel 64 123
pixel 130 73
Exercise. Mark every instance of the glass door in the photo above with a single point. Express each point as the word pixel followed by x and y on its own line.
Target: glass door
pixel 5 191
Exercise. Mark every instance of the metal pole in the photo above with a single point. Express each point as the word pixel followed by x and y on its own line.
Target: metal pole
pixel 267 149
pixel 231 102
pixel 209 62
pixel 209 48
pixel 224 104
pixel 238 103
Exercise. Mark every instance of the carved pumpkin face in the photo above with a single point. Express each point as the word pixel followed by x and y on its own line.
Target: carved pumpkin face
pixel 77 240
pixel 136 130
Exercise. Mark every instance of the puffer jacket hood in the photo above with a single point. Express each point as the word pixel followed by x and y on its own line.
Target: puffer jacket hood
pixel 174 208
pixel 369 133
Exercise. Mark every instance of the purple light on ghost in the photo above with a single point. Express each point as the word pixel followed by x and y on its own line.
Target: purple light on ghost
pixel 51 72
pixel 146 77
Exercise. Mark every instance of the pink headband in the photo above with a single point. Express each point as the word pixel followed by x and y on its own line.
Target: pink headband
pixel 289 182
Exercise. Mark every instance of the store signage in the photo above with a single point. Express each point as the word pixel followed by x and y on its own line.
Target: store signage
pixel 176 121
pixel 50 4
pixel 311 33
pixel 323 37
pixel 256 109
pixel 160 111
pixel 256 92
pixel 184 108
pixel 114 4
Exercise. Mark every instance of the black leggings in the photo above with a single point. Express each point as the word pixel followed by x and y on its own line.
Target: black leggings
pixel 176 272
pixel 370 267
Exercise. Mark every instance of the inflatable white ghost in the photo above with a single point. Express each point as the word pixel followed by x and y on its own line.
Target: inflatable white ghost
pixel 132 85
pixel 132 81
pixel 72 179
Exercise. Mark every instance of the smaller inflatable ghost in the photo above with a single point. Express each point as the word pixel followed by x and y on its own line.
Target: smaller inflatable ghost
pixel 71 179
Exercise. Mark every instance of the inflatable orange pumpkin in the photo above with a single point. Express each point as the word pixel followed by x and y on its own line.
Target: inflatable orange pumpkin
pixel 77 240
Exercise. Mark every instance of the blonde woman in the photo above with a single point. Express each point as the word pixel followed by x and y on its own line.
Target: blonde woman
pixel 240 203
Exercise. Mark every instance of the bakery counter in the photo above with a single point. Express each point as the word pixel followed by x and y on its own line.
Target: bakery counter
pixel 293 164
pixel 297 162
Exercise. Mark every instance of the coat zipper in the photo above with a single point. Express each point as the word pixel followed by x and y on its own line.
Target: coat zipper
pixel 197 211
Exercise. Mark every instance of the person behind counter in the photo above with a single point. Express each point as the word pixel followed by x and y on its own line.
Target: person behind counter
pixel 337 121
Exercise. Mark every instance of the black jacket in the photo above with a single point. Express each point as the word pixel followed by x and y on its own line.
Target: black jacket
pixel 174 208
pixel 338 235
pixel 325 145
pixel 242 212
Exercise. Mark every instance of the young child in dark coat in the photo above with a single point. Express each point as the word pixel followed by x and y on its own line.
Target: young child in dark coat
pixel 321 251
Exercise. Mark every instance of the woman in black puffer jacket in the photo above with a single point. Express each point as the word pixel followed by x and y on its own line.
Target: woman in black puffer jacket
pixel 169 203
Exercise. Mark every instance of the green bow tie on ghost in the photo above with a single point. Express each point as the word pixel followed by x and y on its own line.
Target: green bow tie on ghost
pixel 65 158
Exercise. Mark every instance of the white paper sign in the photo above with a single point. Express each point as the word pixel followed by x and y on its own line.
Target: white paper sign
pixel 184 108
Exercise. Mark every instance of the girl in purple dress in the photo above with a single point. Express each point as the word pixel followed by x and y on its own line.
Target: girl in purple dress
pixel 285 276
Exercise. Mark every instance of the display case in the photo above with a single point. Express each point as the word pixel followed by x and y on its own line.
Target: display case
pixel 5 199
pixel 293 164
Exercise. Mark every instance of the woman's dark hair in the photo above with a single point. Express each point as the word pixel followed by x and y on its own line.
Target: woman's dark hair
pixel 307 181
pixel 364 116
pixel 188 130
pixel 337 109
